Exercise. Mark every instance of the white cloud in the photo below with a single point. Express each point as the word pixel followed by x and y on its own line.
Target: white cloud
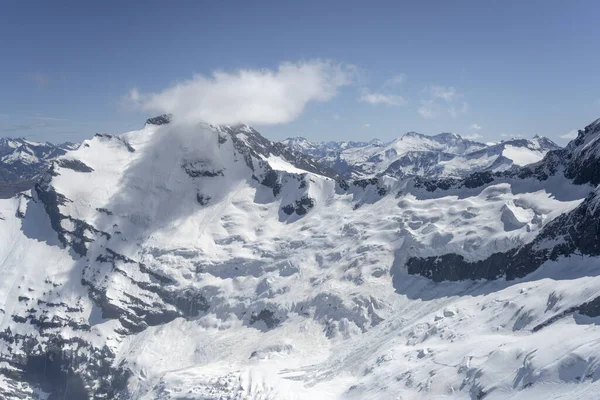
pixel 472 136
pixel 441 100
pixel 475 127
pixel 427 109
pixel 569 135
pixel 380 98
pixel 336 116
pixel 448 94
pixel 253 96
pixel 511 135
pixel 366 125
pixel 394 81
pixel 384 97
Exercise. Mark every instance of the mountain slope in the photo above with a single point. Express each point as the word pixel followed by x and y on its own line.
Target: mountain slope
pixel 200 262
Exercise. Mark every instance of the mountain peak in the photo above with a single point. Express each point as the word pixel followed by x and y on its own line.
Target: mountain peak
pixel 160 120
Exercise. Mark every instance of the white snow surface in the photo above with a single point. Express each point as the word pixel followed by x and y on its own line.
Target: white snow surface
pixel 353 323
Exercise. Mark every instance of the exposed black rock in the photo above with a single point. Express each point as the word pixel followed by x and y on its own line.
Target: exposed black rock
pixel 118 138
pixel 198 168
pixel 66 368
pixel 271 180
pixel 363 183
pixel 75 165
pixel 267 317
pixel 300 207
pixel 160 120
pixel 202 199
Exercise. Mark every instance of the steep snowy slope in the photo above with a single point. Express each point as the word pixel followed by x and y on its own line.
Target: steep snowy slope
pixel 199 262
pixel 414 154
pixel 23 161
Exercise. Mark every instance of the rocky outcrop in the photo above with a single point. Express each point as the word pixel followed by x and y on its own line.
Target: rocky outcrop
pixel 300 207
pixel 74 165
pixel 160 120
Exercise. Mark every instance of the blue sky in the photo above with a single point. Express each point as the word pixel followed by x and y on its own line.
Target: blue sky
pixel 335 70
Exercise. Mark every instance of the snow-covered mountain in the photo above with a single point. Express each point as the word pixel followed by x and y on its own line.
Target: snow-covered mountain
pixel 415 154
pixel 23 161
pixel 202 262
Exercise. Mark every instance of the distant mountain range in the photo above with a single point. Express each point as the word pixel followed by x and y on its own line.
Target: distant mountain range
pixel 415 154
pixel 23 161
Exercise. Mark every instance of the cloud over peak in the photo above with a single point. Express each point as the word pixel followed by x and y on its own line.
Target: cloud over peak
pixel 570 135
pixel 253 96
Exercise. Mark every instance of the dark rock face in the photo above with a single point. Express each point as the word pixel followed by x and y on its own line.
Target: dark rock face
pixel 196 169
pixel 202 199
pixel 160 120
pixel 79 237
pixel 271 180
pixel 300 207
pixel 267 317
pixel 583 156
pixel 66 368
pixel 118 138
pixel 363 183
pixel 134 311
pixel 75 165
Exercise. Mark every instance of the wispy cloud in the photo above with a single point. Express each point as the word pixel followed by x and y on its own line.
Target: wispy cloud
pixel 440 100
pixel 380 98
pixel 512 135
pixel 336 117
pixel 427 109
pixel 474 128
pixel 41 80
pixel 448 94
pixel 254 96
pixel 366 125
pixel 570 135
pixel 394 81
pixel 384 96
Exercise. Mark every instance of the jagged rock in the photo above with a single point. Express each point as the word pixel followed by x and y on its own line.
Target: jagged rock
pixel 160 120
pixel 75 165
